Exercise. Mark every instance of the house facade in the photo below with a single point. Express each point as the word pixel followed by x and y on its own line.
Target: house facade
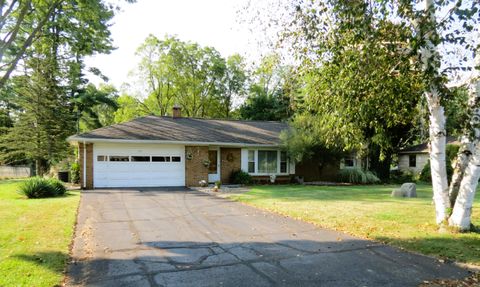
pixel 156 151
pixel 414 158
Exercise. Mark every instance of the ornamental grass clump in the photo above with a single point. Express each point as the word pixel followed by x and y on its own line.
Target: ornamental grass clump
pixel 38 187
pixel 357 176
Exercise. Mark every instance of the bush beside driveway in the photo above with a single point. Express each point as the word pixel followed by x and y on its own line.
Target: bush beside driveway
pixel 369 212
pixel 35 236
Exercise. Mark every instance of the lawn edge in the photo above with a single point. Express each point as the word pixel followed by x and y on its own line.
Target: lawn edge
pixel 471 267
pixel 63 282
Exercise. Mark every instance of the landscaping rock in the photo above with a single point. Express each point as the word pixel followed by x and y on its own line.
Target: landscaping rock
pixel 408 189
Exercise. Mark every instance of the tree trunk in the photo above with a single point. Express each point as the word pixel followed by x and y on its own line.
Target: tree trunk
pixel 438 155
pixel 463 157
pixel 462 209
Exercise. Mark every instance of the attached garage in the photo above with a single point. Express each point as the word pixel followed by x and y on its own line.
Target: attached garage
pixel 138 165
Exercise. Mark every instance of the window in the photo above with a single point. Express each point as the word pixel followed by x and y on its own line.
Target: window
pixel 101 158
pixel 412 160
pixel 267 161
pixel 119 158
pixel 349 161
pixel 160 158
pixel 251 161
pixel 176 159
pixel 140 158
pixel 283 162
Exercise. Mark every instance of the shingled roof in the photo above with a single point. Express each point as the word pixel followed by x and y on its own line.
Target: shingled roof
pixel 168 129
pixel 423 148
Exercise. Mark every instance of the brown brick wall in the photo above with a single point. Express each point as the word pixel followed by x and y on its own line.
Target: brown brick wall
pixel 313 170
pixel 230 160
pixel 89 160
pixel 195 170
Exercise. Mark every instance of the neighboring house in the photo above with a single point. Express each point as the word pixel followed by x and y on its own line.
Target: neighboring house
pixel 414 158
pixel 177 151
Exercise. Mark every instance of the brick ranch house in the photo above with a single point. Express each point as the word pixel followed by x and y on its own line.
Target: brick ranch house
pixel 179 151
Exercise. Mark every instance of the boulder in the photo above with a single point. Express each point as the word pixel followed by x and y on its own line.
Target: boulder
pixel 408 189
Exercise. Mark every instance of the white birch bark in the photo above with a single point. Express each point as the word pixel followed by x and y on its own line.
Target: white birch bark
pixel 463 157
pixel 438 156
pixel 462 210
pixel 430 60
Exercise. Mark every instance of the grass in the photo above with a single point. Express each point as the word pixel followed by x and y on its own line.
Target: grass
pixel 35 235
pixel 370 212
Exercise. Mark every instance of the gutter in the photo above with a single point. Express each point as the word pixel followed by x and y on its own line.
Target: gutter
pixel 197 143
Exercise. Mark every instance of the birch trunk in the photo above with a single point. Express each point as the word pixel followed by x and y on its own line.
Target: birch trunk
pixel 462 210
pixel 438 156
pixel 430 60
pixel 463 157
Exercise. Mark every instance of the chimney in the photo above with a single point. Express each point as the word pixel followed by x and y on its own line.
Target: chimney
pixel 176 111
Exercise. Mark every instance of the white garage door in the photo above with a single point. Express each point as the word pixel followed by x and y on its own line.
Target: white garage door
pixel 137 165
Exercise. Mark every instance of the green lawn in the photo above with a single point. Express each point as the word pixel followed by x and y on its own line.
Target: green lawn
pixel 35 235
pixel 370 212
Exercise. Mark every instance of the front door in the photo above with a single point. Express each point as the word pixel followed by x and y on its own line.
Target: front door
pixel 214 167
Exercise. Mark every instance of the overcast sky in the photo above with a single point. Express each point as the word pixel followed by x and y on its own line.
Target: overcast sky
pixel 208 22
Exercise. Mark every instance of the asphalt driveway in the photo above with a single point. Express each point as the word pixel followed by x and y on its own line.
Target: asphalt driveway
pixel 178 237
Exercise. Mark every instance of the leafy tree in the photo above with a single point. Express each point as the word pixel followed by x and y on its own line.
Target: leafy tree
pixel 360 87
pixel 50 89
pixel 234 83
pixel 271 93
pixel 129 108
pixel 183 73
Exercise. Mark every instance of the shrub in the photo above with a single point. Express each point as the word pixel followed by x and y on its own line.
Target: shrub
pixel 38 187
pixel 371 177
pixel 58 187
pixel 398 176
pixel 426 174
pixel 218 183
pixel 357 175
pixel 240 177
pixel 75 172
pixel 451 154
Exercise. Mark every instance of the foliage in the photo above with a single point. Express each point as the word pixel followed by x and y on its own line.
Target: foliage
pixel 451 152
pixel 400 177
pixel 218 183
pixel 75 172
pixel 271 93
pixel 35 237
pixel 197 78
pixel 456 111
pixel 240 177
pixel 95 107
pixel 357 175
pixel 370 212
pixel 49 94
pixel 39 187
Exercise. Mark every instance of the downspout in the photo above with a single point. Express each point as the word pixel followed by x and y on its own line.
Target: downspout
pixel 84 165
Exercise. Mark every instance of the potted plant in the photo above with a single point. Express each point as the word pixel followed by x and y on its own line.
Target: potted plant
pixel 217 186
pixel 273 178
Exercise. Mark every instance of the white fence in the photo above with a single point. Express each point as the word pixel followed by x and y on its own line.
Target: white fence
pixel 14 171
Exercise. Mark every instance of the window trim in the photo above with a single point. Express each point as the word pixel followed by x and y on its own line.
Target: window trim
pixel 257 173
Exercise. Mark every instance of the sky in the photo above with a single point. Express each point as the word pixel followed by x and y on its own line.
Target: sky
pixel 207 22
